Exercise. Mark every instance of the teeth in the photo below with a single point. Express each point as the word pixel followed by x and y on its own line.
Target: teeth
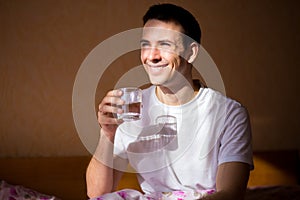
pixel 160 66
pixel 157 68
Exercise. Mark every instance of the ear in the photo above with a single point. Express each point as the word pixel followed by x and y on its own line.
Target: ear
pixel 193 52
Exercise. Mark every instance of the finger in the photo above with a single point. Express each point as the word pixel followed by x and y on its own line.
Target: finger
pixel 115 93
pixel 108 120
pixel 109 113
pixel 105 109
pixel 112 100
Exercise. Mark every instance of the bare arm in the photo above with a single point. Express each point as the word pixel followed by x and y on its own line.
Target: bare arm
pixel 101 178
pixel 231 183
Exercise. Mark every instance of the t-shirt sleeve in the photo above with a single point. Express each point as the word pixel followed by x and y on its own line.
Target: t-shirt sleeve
pixel 236 140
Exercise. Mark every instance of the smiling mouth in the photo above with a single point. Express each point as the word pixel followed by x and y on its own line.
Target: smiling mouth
pixel 156 69
pixel 160 66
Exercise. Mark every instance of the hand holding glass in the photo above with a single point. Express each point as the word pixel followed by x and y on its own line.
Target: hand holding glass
pixel 133 104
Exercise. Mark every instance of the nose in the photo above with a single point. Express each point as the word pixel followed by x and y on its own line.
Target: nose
pixel 154 54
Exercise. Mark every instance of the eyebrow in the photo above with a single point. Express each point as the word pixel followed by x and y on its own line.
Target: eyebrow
pixel 143 40
pixel 159 41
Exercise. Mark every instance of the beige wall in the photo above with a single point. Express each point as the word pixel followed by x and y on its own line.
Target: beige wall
pixel 43 43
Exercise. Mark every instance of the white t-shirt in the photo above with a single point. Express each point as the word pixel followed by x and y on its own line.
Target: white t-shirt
pixel 209 130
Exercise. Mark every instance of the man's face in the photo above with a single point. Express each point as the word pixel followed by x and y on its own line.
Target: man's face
pixel 162 49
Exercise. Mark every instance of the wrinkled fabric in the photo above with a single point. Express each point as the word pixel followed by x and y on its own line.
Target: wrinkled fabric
pixel 129 194
pixel 17 192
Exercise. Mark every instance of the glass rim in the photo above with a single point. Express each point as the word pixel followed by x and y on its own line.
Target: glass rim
pixel 129 89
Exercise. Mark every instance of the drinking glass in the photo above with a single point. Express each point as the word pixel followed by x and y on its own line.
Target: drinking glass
pixel 133 104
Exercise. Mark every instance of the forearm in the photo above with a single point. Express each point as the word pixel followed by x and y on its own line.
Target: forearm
pixel 99 175
pixel 98 178
pixel 231 182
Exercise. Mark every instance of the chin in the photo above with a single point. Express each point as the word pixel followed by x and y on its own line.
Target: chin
pixel 156 82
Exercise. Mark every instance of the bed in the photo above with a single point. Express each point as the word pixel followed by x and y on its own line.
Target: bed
pixel 276 176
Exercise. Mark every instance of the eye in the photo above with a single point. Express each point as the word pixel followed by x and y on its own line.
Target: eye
pixel 144 44
pixel 165 44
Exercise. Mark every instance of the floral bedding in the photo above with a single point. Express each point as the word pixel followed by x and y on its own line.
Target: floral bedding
pixel 128 194
pixel 254 193
pixel 17 192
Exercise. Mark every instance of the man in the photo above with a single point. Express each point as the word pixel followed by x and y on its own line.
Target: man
pixel 213 138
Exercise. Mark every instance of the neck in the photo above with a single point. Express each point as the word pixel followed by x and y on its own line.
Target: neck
pixel 178 95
